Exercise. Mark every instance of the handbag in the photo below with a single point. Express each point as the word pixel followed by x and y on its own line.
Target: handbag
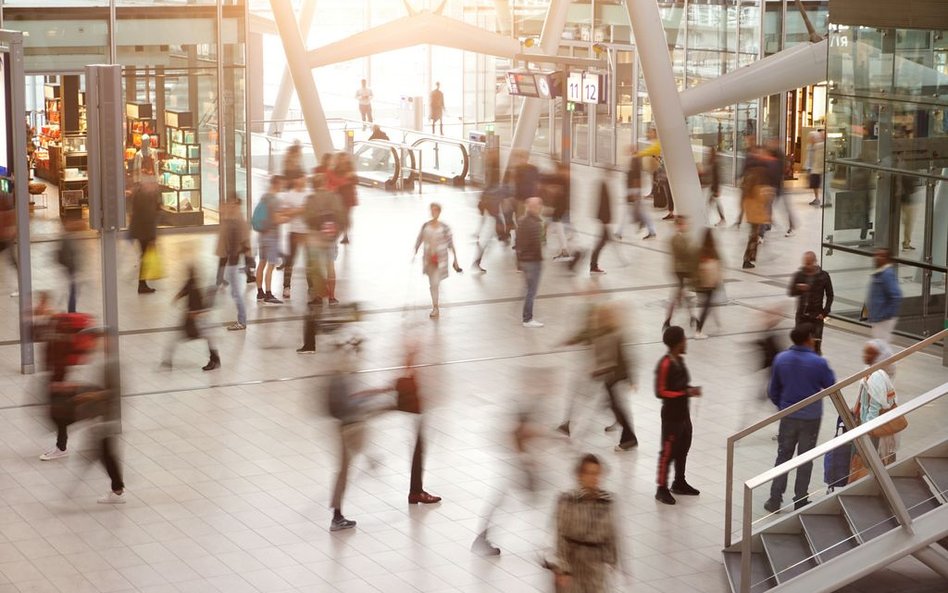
pixel 857 469
pixel 152 268
pixel 894 426
pixel 407 389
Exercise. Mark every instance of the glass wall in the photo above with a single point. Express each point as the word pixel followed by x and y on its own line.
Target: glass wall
pixel 887 168
pixel 184 85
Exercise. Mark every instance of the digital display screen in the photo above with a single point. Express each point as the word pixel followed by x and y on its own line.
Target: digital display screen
pixel 512 88
pixel 526 84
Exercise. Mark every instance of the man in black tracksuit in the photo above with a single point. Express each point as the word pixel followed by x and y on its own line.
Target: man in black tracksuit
pixel 672 386
pixel 810 285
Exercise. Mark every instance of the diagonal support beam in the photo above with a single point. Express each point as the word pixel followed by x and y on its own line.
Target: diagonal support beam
pixel 666 105
pixel 302 74
pixel 282 104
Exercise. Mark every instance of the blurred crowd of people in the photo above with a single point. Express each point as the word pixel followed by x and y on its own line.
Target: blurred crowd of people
pixel 526 211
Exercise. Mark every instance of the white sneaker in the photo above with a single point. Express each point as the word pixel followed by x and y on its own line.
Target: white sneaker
pixel 790 233
pixel 700 336
pixel 14 294
pixel 113 498
pixel 532 323
pixel 52 454
pixel 236 327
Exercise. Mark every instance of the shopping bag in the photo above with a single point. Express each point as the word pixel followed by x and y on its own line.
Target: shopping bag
pixel 152 268
pixel 857 468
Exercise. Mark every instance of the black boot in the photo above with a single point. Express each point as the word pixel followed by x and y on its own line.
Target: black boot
pixel 143 288
pixel 214 363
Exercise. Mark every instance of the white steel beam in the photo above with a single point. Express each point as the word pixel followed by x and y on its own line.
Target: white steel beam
pixel 666 106
pixel 550 37
pixel 282 104
pixel 408 31
pixel 295 49
pixel 799 66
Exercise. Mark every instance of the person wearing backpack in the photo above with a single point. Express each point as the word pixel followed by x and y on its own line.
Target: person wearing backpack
pixel 266 222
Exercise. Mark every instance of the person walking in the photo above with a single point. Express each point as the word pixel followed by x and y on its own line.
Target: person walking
pixel 69 257
pixel 267 217
pixel 885 296
pixel 712 174
pixel 756 199
pixel 708 276
pixel 292 203
pixel 673 387
pixel 682 267
pixel 903 189
pixel 345 182
pixel 816 166
pixel 530 255
pixel 813 288
pixel 436 108
pixel 364 96
pixel 143 226
pixel 604 214
pixel 586 535
pixel 197 307
pixel 635 207
pixel 777 166
pixel 411 402
pixel 323 214
pixel 438 242
pixel 234 241
pixel 797 373
pixel 603 332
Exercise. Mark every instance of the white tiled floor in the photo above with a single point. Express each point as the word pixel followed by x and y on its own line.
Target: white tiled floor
pixel 229 473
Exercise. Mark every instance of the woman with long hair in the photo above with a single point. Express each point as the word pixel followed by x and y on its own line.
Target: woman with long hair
pixel 707 278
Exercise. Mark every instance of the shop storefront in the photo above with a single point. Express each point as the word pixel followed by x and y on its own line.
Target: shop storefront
pixel 887 168
pixel 184 89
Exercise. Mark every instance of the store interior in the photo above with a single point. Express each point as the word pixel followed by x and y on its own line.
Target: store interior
pixel 163 143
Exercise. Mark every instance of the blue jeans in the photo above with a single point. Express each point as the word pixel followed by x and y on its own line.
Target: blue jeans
pixel 799 435
pixel 230 274
pixel 531 271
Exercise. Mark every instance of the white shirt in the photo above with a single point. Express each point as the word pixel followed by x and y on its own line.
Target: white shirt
pixel 293 200
pixel 364 95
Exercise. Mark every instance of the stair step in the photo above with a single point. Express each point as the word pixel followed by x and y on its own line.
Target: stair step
pixel 829 535
pixel 869 516
pixel 937 470
pixel 916 495
pixel 762 576
pixel 789 554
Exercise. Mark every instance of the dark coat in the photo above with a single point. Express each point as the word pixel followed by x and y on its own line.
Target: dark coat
pixel 605 204
pixel 146 205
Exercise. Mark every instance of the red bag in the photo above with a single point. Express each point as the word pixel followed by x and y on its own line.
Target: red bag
pixel 407 390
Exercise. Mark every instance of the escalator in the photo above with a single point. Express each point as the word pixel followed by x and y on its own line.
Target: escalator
pixel 443 160
pixel 376 163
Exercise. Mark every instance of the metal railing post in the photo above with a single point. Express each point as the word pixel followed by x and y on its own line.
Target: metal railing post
pixel 729 494
pixel 746 530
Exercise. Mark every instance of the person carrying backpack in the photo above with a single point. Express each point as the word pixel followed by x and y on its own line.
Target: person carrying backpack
pixel 266 222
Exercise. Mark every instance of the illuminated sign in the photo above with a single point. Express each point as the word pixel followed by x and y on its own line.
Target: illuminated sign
pixel 540 85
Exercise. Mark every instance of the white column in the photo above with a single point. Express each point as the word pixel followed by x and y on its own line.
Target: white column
pixel 550 37
pixel 302 74
pixel 282 104
pixel 666 105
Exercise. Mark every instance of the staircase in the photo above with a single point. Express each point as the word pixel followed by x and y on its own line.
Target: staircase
pixel 851 533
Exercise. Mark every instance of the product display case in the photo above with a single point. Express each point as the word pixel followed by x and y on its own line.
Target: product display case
pixel 180 176
pixel 74 176
pixel 140 121
pixel 49 154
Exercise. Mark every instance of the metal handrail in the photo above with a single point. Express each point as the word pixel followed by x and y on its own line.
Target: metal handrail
pixel 816 397
pixel 859 436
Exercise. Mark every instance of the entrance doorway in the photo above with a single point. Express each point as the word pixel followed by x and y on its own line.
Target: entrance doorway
pixel 806 111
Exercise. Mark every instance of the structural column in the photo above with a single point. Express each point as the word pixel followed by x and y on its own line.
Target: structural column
pixel 285 94
pixel 666 105
pixel 302 74
pixel 550 37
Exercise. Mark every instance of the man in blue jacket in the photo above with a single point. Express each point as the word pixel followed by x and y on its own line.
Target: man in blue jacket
pixel 797 373
pixel 885 296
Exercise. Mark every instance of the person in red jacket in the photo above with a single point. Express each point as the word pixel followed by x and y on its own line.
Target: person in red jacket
pixel 673 387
